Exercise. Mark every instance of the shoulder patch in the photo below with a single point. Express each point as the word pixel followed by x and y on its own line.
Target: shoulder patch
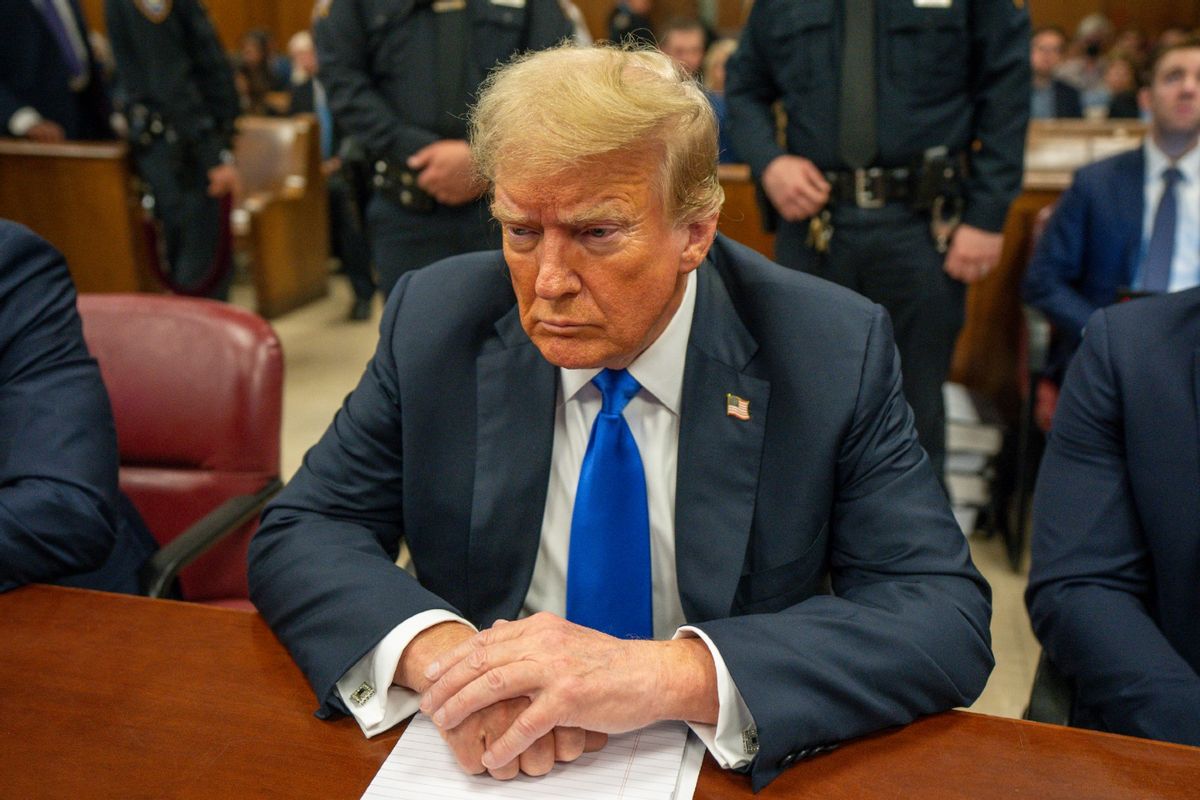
pixel 154 10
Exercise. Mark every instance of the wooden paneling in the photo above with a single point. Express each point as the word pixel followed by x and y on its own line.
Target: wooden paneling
pixel 79 197
pixel 1150 16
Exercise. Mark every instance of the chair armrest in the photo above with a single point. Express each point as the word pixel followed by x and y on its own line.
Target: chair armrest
pixel 160 570
pixel 1052 695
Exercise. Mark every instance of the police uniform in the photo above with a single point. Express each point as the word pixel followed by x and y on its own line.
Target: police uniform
pixel 399 76
pixel 948 73
pixel 180 100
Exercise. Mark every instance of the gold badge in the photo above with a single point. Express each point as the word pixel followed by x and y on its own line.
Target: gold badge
pixel 154 10
pixel 321 9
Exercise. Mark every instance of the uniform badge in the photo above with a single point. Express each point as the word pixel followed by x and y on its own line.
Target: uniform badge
pixel 154 10
pixel 321 9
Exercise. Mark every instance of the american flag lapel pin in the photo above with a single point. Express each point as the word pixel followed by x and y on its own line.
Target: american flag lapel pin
pixel 737 407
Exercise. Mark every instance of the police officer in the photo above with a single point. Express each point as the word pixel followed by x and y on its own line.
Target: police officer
pixel 905 128
pixel 179 98
pixel 399 76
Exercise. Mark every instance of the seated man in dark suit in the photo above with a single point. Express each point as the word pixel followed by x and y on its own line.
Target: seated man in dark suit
pixel 51 87
pixel 1129 222
pixel 58 446
pixel 750 538
pixel 1051 98
pixel 1114 586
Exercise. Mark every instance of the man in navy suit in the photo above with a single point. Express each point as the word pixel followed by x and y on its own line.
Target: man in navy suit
pixel 806 581
pixel 1114 586
pixel 58 446
pixel 51 87
pixel 1096 243
pixel 1050 98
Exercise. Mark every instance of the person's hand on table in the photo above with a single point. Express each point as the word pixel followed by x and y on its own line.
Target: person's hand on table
pixel 564 676
pixel 475 734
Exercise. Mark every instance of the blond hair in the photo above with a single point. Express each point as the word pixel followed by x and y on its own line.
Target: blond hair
pixel 546 112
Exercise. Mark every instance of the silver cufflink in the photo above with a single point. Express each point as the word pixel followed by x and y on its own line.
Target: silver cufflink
pixel 366 691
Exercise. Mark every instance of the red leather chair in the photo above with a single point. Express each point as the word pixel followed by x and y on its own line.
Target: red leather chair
pixel 197 394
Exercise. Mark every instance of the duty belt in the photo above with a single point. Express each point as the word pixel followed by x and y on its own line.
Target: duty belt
pixel 400 184
pixel 872 187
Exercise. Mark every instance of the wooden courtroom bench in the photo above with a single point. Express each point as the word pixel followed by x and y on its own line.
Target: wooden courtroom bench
pixel 282 222
pixel 80 196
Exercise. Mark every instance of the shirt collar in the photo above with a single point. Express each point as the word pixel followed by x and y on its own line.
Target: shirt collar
pixel 1157 161
pixel 659 369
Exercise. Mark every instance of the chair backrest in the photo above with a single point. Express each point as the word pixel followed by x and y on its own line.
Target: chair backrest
pixel 196 388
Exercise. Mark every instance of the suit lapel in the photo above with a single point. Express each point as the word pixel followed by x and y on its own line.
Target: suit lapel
pixel 719 455
pixel 515 435
pixel 1130 211
pixel 1196 394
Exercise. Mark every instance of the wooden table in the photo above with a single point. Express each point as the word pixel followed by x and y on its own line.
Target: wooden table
pixel 112 696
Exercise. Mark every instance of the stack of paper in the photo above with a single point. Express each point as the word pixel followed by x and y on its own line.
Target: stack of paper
pixel 654 763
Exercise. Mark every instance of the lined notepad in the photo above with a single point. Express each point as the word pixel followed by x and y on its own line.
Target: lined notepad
pixel 654 763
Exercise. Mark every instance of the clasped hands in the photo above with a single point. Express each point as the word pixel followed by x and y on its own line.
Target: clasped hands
pixel 522 695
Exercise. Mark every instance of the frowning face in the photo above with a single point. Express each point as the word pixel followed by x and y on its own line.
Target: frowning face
pixel 597 267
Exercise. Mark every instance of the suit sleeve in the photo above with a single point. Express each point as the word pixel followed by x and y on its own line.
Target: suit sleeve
pixel 1058 263
pixel 322 566
pixel 58 448
pixel 750 91
pixel 905 630
pixel 1091 577
pixel 1001 80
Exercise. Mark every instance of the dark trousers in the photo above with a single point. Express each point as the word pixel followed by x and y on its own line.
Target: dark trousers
pixel 403 240
pixel 348 236
pixel 888 256
pixel 191 220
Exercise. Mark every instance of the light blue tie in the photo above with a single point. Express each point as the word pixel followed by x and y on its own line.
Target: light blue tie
pixel 1156 268
pixel 608 569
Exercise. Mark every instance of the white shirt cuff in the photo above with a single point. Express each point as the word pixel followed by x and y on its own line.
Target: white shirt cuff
pixel 733 741
pixel 22 120
pixel 376 711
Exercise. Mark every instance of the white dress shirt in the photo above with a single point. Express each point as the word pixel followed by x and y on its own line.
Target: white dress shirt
pixel 1185 261
pixel 653 418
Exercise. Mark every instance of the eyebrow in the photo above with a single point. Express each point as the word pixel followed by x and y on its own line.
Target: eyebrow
pixel 603 212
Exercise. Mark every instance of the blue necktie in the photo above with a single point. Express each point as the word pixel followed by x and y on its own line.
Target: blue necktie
pixel 58 28
pixel 1156 268
pixel 608 569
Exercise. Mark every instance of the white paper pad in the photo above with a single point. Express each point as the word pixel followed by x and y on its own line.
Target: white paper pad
pixel 659 762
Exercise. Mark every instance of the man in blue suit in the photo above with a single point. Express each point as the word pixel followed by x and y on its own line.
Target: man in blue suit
pixel 58 446
pixel 779 547
pixel 1097 242
pixel 1050 98
pixel 51 87
pixel 1114 586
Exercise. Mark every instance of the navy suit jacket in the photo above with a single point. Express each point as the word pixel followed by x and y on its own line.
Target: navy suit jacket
pixel 813 542
pixel 58 445
pixel 1067 103
pixel 34 73
pixel 1090 248
pixel 1114 587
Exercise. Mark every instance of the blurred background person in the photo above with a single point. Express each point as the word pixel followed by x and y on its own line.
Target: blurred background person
pixel 684 40
pixel 714 86
pixel 259 73
pixel 1120 78
pixel 1084 67
pixel 52 87
pixel 630 19
pixel 1051 98
pixel 347 233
